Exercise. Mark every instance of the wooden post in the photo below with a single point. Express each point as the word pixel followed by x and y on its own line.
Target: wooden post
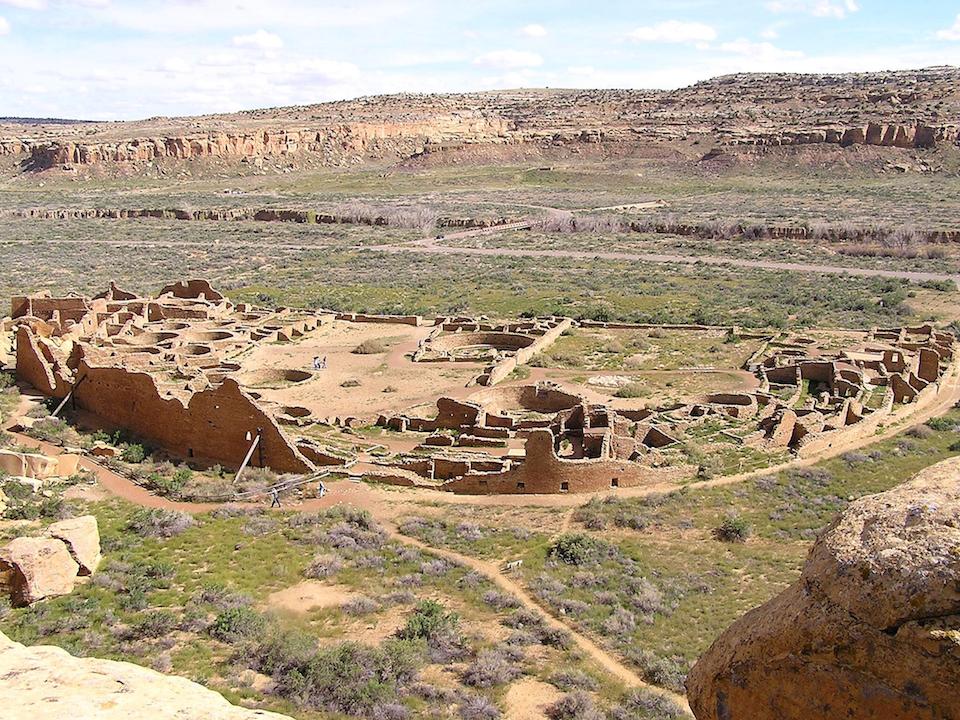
pixel 243 465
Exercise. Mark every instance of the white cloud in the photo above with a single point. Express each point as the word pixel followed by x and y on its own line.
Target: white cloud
pixel 509 59
pixel 429 57
pixel 674 31
pixel 260 40
pixel 44 4
pixel 838 9
pixel 4 26
pixel 952 32
pixel 534 31
pixel 25 4
pixel 760 51
pixel 218 15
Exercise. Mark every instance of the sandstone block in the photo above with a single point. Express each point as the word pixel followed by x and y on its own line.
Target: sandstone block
pixel 37 568
pixel 82 538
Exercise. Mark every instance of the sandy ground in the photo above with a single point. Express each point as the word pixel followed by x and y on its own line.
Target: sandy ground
pixel 528 699
pixel 309 595
pixel 691 384
pixel 413 383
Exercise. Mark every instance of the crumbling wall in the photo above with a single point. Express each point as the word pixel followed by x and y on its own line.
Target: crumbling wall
pixel 414 320
pixel 536 398
pixel 37 365
pixel 543 472
pixel 192 290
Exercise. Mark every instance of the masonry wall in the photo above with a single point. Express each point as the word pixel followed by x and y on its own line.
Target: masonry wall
pixel 211 427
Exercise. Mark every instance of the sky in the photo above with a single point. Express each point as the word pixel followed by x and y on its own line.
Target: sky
pixel 131 59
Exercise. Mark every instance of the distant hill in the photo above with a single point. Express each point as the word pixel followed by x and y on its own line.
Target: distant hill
pixel 42 121
pixel 903 109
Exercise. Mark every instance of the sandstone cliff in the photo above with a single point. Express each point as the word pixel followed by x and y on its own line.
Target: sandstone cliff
pixel 906 109
pixel 47 683
pixel 871 629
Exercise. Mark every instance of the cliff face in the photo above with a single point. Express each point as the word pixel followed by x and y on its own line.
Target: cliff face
pixel 909 109
pixel 871 630
pixel 47 682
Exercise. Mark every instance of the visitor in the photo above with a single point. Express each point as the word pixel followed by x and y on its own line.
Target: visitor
pixel 316 363
pixel 323 363
pixel 274 498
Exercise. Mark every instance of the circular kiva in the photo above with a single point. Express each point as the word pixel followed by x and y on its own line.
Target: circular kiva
pixel 480 341
pixel 193 350
pixel 524 398
pixel 205 336
pixel 148 338
pixel 265 377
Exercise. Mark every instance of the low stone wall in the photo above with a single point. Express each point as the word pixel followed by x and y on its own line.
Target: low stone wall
pixel 542 472
pixel 414 320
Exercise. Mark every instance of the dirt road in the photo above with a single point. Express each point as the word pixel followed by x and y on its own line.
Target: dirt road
pixel 433 247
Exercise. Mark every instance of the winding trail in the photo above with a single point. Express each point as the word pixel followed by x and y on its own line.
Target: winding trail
pixel 492 572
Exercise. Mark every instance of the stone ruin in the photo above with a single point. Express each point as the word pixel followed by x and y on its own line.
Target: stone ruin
pixel 809 400
pixel 170 369
pixel 161 367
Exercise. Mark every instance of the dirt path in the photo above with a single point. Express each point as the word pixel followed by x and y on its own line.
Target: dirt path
pixel 432 247
pixel 607 661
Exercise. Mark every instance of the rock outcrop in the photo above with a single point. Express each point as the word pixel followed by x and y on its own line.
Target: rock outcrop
pixel 47 682
pixel 36 568
pixel 870 631
pixel 82 538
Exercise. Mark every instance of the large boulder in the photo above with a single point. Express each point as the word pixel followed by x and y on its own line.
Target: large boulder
pixel 82 538
pixel 37 568
pixel 47 682
pixel 870 631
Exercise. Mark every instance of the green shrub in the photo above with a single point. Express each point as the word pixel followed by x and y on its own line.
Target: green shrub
pixel 733 529
pixel 941 424
pixel 633 390
pixel 237 623
pixel 160 523
pixel 133 453
pixel 51 430
pixel 429 620
pixel 348 678
pixel 154 625
pixel 577 549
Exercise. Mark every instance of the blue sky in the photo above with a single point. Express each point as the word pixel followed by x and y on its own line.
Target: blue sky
pixel 126 59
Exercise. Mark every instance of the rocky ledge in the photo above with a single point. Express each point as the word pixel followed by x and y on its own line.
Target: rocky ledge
pixel 871 630
pixel 45 682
